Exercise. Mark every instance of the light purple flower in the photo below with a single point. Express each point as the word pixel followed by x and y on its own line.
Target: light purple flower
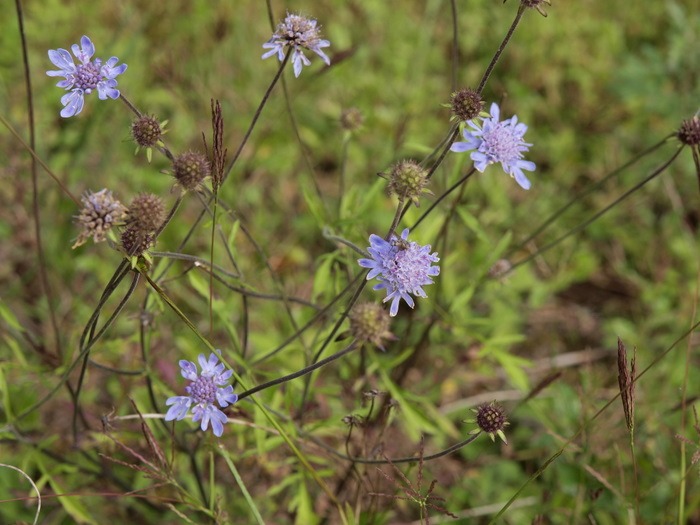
pixel 87 76
pixel 298 33
pixel 500 142
pixel 204 390
pixel 402 268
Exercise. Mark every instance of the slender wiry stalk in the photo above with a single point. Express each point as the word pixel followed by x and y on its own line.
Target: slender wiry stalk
pixel 587 191
pixel 300 373
pixel 86 352
pixel 602 212
pixel 501 48
pixel 443 196
pixel 258 112
pixel 41 255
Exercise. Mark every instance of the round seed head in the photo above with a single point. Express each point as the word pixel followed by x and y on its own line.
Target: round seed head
pixel 146 131
pixel 408 181
pixel 351 119
pixel 491 419
pixel 146 213
pixel 135 241
pixel 689 132
pixel 190 169
pixel 466 104
pixel 369 323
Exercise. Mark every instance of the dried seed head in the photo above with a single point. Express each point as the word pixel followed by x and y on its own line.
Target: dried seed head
pixel 146 213
pixel 135 241
pixel 491 418
pixel 146 131
pixel 626 379
pixel 536 4
pixel 369 323
pixel 351 119
pixel 100 212
pixel 500 268
pixel 689 132
pixel 466 104
pixel 408 181
pixel 190 169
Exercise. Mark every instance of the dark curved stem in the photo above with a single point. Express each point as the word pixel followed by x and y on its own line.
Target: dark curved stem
pixel 501 48
pixel 443 196
pixel 258 112
pixel 86 352
pixel 587 191
pixel 602 212
pixel 35 185
pixel 302 372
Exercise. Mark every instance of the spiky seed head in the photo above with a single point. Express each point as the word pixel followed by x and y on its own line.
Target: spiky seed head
pixel 135 241
pixel 190 169
pixel 146 131
pixel 369 323
pixel 146 213
pixel 408 181
pixel 689 132
pixel 99 213
pixel 491 419
pixel 536 4
pixel 351 119
pixel 466 104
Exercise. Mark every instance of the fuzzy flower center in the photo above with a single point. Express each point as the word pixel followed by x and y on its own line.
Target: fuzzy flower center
pixel 408 268
pixel 298 31
pixel 87 76
pixel 202 390
pixel 501 142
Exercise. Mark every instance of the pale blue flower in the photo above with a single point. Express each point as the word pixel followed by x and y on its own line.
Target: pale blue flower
pixel 87 76
pixel 402 267
pixel 496 141
pixel 298 33
pixel 204 390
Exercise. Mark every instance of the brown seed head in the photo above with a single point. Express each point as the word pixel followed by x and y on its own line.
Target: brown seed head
pixel 146 131
pixel 689 132
pixel 466 104
pixel 146 213
pixel 408 181
pixel 190 169
pixel 369 323
pixel 135 241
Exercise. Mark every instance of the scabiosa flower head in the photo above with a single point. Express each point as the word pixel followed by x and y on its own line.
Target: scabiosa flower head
pixel 298 33
pixel 466 104
pixel 146 213
pixel 689 132
pixel 190 169
pixel 369 323
pixel 87 76
pixel 402 267
pixel 205 390
pixel 100 212
pixel 408 180
pixel 500 142
pixel 490 418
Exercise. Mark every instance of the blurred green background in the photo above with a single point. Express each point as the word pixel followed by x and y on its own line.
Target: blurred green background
pixel 596 81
